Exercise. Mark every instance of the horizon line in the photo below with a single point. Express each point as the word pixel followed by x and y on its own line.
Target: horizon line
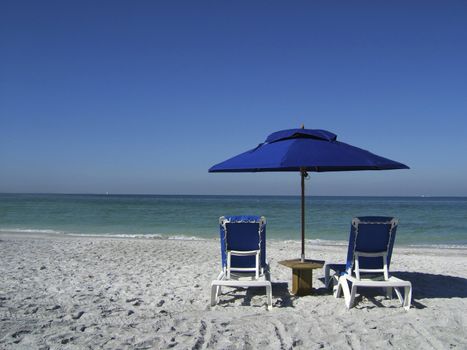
pixel 223 195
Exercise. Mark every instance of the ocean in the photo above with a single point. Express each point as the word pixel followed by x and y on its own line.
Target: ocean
pixel 423 221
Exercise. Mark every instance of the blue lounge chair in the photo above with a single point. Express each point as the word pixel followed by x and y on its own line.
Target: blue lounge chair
pixel 243 253
pixel 368 259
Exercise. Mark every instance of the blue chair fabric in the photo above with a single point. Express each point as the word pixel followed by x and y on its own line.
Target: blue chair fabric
pixel 243 232
pixel 375 234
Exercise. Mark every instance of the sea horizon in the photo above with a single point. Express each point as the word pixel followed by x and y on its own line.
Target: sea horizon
pixel 226 195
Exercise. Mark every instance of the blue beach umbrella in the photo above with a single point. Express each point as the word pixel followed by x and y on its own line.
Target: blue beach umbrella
pixel 305 150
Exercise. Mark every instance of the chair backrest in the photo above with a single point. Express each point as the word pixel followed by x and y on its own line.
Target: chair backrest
pixel 243 233
pixel 371 234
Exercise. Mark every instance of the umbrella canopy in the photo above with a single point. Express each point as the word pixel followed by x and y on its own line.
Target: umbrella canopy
pixel 308 150
pixel 305 150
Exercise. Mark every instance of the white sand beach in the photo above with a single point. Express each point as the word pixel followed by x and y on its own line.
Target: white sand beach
pixel 65 292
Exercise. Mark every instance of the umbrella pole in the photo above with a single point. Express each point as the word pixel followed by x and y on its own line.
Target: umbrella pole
pixel 302 173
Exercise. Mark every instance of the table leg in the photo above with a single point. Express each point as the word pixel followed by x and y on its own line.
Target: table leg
pixel 302 281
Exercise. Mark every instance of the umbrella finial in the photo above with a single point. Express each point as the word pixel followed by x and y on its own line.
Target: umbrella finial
pixel 303 126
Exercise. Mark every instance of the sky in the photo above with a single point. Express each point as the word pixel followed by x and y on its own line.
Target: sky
pixel 142 97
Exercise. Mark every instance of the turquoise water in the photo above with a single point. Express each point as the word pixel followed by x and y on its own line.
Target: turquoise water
pixel 423 221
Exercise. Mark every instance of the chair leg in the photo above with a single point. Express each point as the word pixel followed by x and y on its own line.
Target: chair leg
pixel 335 286
pixel 352 296
pixel 215 291
pixel 213 294
pixel 407 297
pixel 269 295
pixel 327 272
pixel 389 292
pixel 349 293
pixel 399 295
pixel 340 288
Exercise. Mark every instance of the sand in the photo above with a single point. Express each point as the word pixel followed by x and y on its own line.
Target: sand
pixel 64 292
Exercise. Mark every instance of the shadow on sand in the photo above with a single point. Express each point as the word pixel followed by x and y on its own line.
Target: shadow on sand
pixel 428 285
pixel 280 293
pixel 425 286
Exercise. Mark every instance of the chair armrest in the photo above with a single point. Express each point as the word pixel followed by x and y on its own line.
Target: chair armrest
pixel 382 254
pixel 243 252
pixel 370 255
pixel 255 253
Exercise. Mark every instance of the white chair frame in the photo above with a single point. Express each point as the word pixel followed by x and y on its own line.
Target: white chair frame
pixel 246 278
pixel 389 282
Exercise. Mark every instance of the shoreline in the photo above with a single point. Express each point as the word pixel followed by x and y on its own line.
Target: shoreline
pixel 318 242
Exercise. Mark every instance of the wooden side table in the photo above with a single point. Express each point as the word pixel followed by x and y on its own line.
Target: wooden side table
pixel 302 274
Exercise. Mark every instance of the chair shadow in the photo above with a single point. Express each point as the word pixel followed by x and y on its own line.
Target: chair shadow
pixel 280 293
pixel 425 286
pixel 428 285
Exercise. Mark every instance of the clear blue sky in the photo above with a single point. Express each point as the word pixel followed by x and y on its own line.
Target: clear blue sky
pixel 144 96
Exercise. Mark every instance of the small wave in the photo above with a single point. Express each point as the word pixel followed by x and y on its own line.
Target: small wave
pixel 318 242
pixel 186 238
pixel 28 230
pixel 438 246
pixel 104 234
pixel 326 242
pixel 119 235
pixel 138 236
